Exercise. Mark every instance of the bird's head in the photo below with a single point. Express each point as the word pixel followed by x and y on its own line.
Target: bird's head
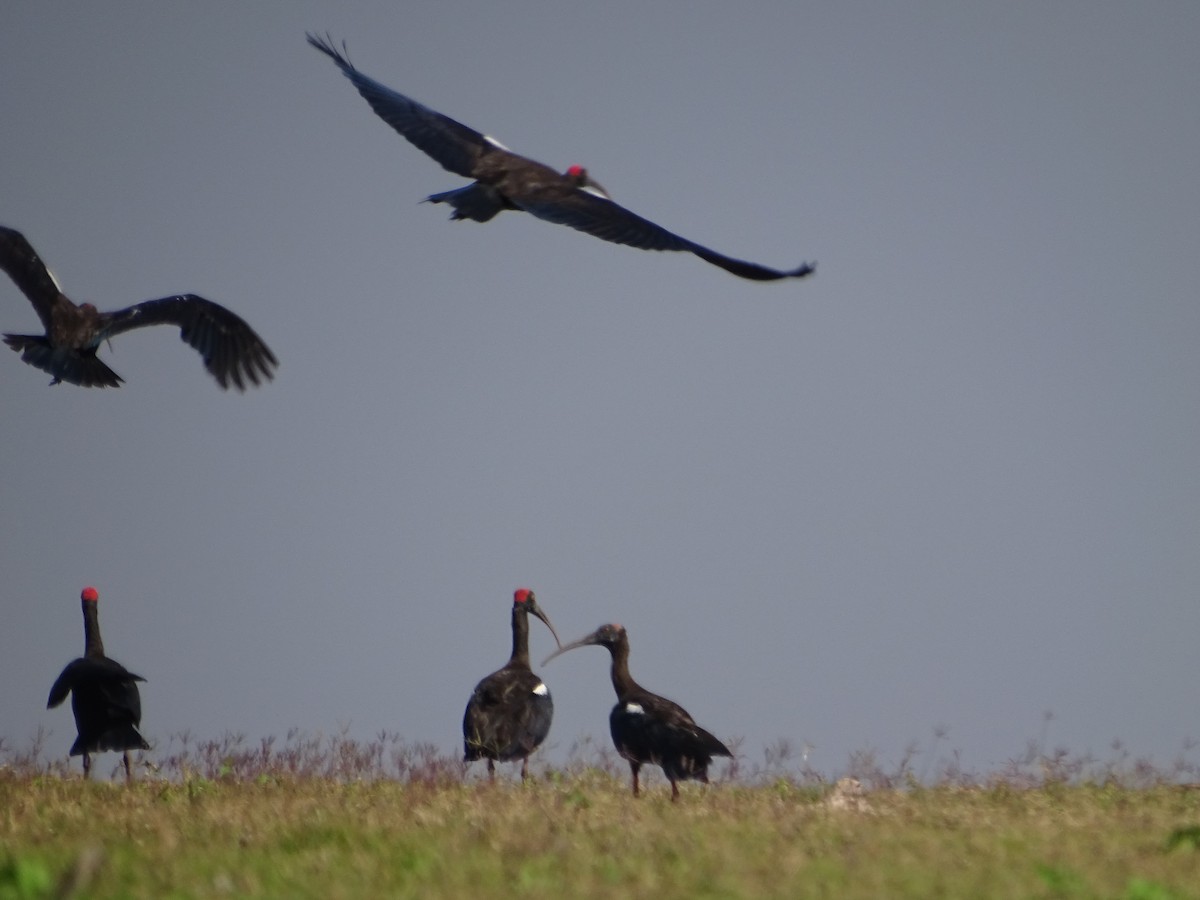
pixel 89 594
pixel 525 602
pixel 610 636
pixel 579 177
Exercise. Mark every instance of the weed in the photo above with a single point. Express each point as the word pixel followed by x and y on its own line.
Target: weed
pixel 330 816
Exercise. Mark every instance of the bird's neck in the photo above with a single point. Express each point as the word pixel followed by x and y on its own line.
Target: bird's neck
pixel 520 643
pixel 622 681
pixel 93 646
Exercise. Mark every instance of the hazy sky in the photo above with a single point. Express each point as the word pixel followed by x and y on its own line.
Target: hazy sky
pixel 949 482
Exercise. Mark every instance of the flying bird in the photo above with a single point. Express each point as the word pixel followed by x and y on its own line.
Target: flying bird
pixel 509 713
pixel 104 696
pixel 647 728
pixel 505 180
pixel 233 353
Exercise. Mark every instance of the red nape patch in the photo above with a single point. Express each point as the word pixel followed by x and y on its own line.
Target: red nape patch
pixel 522 595
pixel 90 594
pixel 575 171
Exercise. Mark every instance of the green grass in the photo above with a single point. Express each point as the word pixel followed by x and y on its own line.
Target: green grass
pixel 580 834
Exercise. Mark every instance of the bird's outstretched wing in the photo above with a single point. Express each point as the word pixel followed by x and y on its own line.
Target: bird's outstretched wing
pixel 452 144
pixel 232 351
pixel 28 272
pixel 600 217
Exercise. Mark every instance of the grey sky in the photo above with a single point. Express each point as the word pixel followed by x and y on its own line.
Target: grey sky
pixel 950 481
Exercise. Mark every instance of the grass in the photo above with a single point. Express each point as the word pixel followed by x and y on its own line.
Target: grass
pixel 335 818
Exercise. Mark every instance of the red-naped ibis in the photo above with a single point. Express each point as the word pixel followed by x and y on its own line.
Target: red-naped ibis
pixel 233 353
pixel 508 715
pixel 104 696
pixel 647 728
pixel 505 180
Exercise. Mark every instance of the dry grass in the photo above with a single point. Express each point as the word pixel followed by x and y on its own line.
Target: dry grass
pixel 335 818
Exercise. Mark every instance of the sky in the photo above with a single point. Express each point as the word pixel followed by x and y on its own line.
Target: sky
pixel 947 485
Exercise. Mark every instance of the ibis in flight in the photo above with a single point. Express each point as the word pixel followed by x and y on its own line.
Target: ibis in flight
pixel 503 180
pixel 233 353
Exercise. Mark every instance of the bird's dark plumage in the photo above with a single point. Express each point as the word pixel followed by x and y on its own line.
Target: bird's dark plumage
pixel 104 696
pixel 506 180
pixel 509 713
pixel 233 353
pixel 647 728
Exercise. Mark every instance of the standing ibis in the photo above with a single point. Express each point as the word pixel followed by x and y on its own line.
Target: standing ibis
pixel 104 696
pixel 232 351
pixel 508 715
pixel 647 728
pixel 504 180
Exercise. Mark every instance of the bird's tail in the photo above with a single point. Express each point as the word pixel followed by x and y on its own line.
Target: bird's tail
pixel 79 367
pixel 712 744
pixel 119 737
pixel 475 201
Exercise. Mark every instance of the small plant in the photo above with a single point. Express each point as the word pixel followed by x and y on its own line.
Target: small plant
pixel 1061 882
pixel 1143 889
pixel 1188 837
pixel 24 877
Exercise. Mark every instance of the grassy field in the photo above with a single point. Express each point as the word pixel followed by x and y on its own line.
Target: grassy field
pixel 284 828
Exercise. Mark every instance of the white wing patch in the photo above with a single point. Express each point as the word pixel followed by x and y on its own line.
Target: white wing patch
pixel 541 690
pixel 495 143
pixel 634 709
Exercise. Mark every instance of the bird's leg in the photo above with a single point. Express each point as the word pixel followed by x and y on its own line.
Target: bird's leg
pixel 674 791
pixel 633 767
pixel 524 768
pixel 128 771
pixel 491 771
pixel 87 766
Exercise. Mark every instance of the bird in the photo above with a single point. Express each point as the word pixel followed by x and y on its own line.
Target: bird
pixel 104 696
pixel 233 353
pixel 509 713
pixel 506 180
pixel 647 728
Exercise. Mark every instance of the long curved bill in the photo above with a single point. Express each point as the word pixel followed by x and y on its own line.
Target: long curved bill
pixel 537 611
pixel 582 642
